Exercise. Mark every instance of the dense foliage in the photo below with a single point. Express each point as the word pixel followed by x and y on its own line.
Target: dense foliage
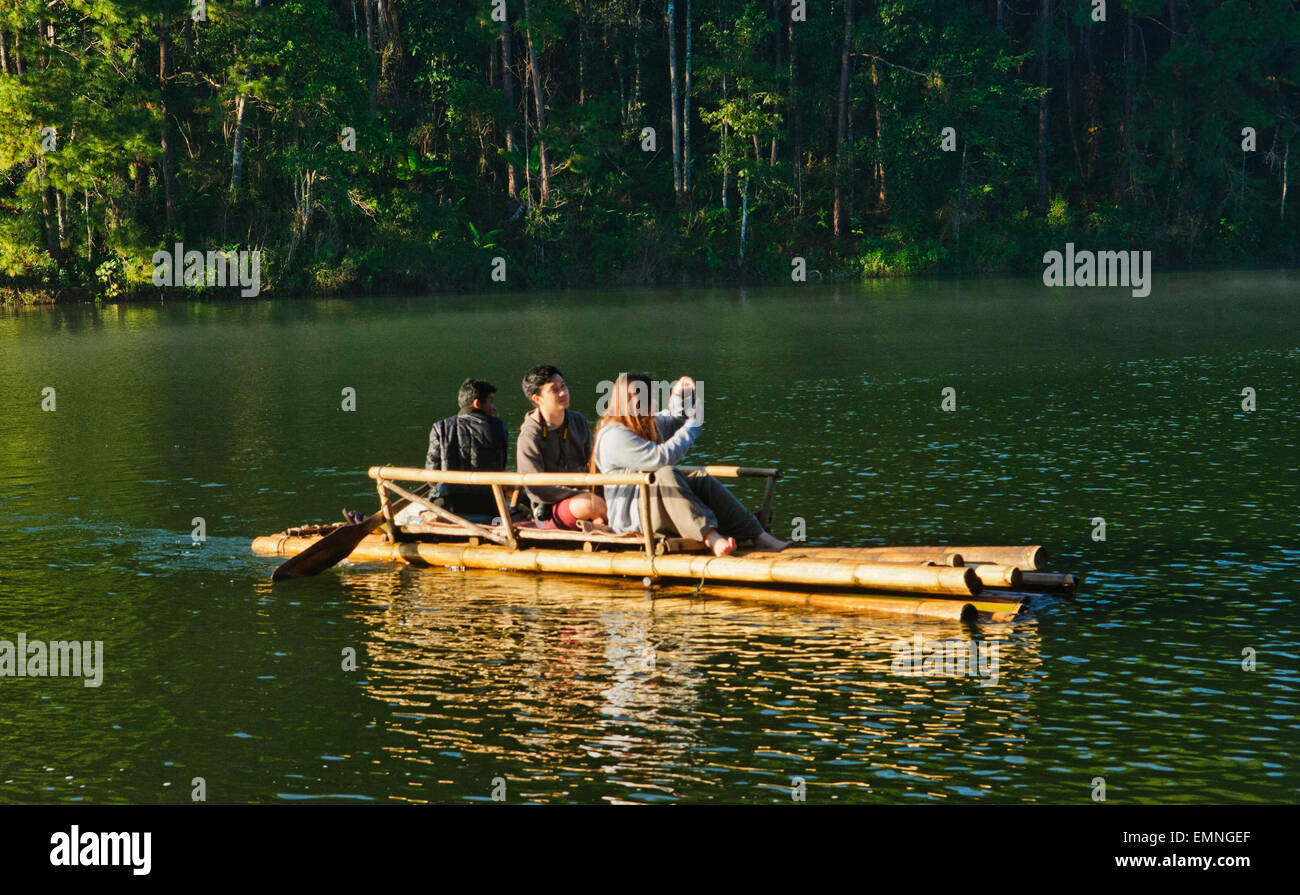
pixel 782 128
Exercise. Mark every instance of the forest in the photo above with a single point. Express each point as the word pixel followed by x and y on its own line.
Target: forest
pixel 383 145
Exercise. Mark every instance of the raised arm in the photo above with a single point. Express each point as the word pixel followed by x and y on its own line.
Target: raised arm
pixel 620 448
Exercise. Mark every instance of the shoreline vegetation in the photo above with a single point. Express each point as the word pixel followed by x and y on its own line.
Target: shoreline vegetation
pixel 394 146
pixel 42 296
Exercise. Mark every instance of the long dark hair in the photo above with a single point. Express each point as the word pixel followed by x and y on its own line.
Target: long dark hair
pixel 629 406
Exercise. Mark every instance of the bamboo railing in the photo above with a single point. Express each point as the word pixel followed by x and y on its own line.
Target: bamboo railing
pixel 386 476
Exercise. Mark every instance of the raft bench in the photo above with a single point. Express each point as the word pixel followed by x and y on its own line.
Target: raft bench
pixel 510 533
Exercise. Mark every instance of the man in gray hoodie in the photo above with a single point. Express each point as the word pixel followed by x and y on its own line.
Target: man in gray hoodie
pixel 553 438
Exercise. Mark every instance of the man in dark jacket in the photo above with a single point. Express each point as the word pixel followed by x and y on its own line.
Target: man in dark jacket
pixel 472 440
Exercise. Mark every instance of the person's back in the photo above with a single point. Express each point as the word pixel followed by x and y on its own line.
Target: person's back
pixel 475 439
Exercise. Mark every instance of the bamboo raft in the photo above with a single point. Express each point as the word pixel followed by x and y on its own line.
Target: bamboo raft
pixel 949 582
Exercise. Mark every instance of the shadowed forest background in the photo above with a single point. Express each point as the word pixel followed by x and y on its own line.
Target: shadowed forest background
pixel 781 129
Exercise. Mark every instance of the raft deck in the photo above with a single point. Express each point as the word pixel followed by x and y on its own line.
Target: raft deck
pixel 940 582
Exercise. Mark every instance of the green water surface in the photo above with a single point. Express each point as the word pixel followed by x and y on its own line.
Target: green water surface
pixel 1071 404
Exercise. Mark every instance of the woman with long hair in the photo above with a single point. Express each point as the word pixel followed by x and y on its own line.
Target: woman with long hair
pixel 630 438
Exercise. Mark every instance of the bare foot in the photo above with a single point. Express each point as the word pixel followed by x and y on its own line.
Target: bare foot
pixel 719 545
pixel 766 541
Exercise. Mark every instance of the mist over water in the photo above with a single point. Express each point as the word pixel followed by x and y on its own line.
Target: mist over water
pixel 1071 404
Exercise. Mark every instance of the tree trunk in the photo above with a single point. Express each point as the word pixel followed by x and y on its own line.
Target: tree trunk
pixel 61 209
pixel 53 245
pixel 676 115
pixel 373 74
pixel 168 154
pixel 636 55
pixel 879 167
pixel 620 66
pixel 1126 176
pixel 1042 108
pixel 744 218
pixel 686 110
pixel 237 162
pixel 241 109
pixel 4 54
pixel 840 214
pixel 508 87
pixel 90 233
pixel 776 52
pixel 797 153
pixel 724 148
pixel 1069 102
pixel 544 158
pixel 1282 205
pixel 1175 123
pixel 582 60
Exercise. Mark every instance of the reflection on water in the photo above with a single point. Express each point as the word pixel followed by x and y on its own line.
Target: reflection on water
pixel 578 691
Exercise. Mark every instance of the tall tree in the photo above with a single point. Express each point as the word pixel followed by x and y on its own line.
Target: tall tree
pixel 1045 23
pixel 508 88
pixel 840 212
pixel 673 100
pixel 543 154
pixel 167 138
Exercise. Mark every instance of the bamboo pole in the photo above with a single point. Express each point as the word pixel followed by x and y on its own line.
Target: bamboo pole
pixel 516 479
pixel 1030 558
pixel 732 472
pixel 384 506
pixel 634 564
pixel 643 505
pixel 995 575
pixel 955 610
pixel 448 515
pixel 504 510
pixel 941 556
pixel 762 568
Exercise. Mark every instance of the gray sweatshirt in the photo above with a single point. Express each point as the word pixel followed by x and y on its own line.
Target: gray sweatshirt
pixel 618 449
pixel 543 449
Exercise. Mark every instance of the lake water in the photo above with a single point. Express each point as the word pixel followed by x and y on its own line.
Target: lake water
pixel 1071 404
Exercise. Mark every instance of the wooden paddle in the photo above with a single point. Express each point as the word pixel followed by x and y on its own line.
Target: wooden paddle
pixel 335 546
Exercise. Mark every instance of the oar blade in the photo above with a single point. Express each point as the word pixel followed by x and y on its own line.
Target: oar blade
pixel 337 545
pixel 328 551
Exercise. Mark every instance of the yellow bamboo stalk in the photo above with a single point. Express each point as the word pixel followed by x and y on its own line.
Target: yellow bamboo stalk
pixel 850 554
pixel 443 513
pixel 731 472
pixel 995 575
pixel 515 479
pixel 759 568
pixel 634 564
pixel 503 510
pixel 1030 558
